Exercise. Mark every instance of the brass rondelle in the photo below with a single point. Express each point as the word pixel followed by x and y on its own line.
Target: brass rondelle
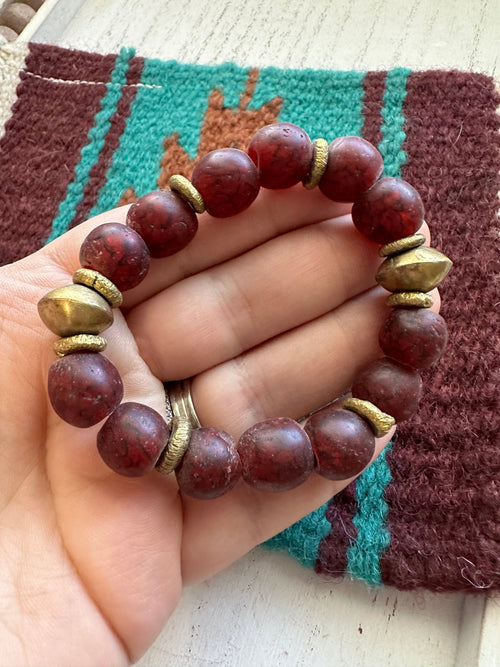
pixel 399 246
pixel 420 269
pixel 178 442
pixel 380 422
pixel 75 309
pixel 79 343
pixel 187 191
pixel 101 284
pixel 318 165
pixel 410 300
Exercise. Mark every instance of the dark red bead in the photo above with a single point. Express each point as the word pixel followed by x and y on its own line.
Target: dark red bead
pixel 343 443
pixel 390 210
pixel 84 387
pixel 118 252
pixel 353 167
pixel 276 455
pixel 164 220
pixel 393 388
pixel 282 152
pixel 132 439
pixel 211 465
pixel 414 336
pixel 228 181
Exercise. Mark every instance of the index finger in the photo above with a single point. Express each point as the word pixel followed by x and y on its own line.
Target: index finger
pixel 273 213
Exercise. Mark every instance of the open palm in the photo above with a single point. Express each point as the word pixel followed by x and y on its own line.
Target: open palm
pixel 272 312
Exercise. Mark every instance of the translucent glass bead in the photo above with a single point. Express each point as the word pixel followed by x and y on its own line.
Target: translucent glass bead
pixel 164 220
pixel 84 388
pixel 353 167
pixel 118 252
pixel 276 455
pixel 389 210
pixel 227 180
pixel 132 439
pixel 211 465
pixel 282 152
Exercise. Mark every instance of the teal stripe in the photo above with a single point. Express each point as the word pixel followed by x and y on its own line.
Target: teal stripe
pixel 363 556
pixel 302 540
pixel 325 104
pixel 90 152
pixel 172 99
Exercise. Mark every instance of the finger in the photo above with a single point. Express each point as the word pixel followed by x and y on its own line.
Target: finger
pixel 297 372
pixel 227 309
pixel 272 213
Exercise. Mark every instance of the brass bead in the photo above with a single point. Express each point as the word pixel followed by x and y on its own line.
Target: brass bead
pixel 75 309
pixel 178 442
pixel 101 284
pixel 380 422
pixel 399 246
pixel 420 269
pixel 187 191
pixel 77 343
pixel 410 300
pixel 318 166
pixel 179 394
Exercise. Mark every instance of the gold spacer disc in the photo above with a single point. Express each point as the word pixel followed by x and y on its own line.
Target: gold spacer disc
pixel 178 442
pixel 187 191
pixel 380 422
pixel 410 300
pixel 319 162
pixel 396 247
pixel 77 343
pixel 99 283
pixel 179 394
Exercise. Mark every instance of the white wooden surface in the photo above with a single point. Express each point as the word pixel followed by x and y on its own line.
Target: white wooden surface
pixel 266 609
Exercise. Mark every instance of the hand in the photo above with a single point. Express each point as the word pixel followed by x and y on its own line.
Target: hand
pixel 273 312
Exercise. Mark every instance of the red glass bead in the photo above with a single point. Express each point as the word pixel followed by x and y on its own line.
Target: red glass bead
pixel 228 181
pixel 282 152
pixel 276 455
pixel 164 220
pixel 211 465
pixel 393 388
pixel 132 439
pixel 390 210
pixel 343 443
pixel 118 252
pixel 84 387
pixel 414 336
pixel 353 166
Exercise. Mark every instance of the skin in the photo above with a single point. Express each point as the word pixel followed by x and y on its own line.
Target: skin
pixel 273 312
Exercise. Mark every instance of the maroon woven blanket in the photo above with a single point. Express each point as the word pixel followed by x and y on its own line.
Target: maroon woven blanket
pixel 84 132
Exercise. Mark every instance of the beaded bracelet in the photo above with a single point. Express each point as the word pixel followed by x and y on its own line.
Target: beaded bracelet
pixel 338 441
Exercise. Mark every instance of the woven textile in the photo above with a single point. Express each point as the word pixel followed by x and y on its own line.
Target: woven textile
pixel 84 132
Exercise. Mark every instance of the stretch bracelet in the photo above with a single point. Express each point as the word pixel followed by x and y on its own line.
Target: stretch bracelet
pixel 337 441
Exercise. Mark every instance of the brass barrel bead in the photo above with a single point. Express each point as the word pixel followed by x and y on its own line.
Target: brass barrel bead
pixel 318 165
pixel 178 442
pixel 399 246
pixel 410 300
pixel 75 309
pixel 78 343
pixel 420 269
pixel 187 191
pixel 101 284
pixel 380 422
